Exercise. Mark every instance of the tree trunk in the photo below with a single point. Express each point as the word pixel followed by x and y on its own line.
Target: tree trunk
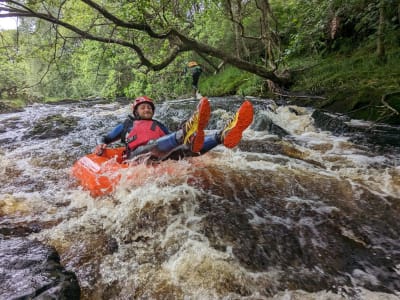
pixel 236 15
pixel 268 36
pixel 191 44
pixel 178 41
pixel 380 49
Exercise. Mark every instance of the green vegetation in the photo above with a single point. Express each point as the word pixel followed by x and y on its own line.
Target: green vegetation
pixel 231 81
pixel 347 52
pixel 12 104
pixel 352 83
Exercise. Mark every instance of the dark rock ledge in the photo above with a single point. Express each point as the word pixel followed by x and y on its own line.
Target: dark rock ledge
pixel 32 270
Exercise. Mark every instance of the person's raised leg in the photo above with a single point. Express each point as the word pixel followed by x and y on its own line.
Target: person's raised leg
pixel 190 137
pixel 193 129
pixel 231 134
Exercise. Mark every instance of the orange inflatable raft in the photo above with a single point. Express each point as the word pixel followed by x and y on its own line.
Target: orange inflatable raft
pixel 100 174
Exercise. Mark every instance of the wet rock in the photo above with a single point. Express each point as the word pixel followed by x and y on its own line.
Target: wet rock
pixel 31 270
pixel 263 123
pixel 112 245
pixel 331 122
pixel 378 134
pixel 18 230
pixel 52 126
pixel 11 228
pixel 76 144
pixel 4 108
pixel 63 101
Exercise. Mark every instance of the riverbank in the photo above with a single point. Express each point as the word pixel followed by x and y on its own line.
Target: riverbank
pixel 353 83
pixel 359 85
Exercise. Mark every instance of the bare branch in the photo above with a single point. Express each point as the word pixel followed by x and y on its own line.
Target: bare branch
pixel 138 26
pixel 178 41
pixel 383 100
pixel 276 90
pixel 240 25
pixel 86 35
pixel 233 60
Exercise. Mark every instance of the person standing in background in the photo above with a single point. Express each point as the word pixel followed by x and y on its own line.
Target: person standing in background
pixel 195 71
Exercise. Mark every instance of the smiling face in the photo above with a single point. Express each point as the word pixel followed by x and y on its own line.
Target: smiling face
pixel 144 111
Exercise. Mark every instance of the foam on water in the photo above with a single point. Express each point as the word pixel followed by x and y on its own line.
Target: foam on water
pixel 347 160
pixel 295 120
pixel 192 229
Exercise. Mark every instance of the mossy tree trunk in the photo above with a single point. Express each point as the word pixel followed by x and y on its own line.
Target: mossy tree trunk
pixel 235 10
pixel 269 33
pixel 381 27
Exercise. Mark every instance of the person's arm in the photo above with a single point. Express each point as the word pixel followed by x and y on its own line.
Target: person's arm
pixel 111 137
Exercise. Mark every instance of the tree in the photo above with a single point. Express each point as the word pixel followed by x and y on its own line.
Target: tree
pixel 12 67
pixel 267 31
pixel 157 31
pixel 380 49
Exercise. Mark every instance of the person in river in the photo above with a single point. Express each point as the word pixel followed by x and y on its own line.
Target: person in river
pixel 196 71
pixel 145 136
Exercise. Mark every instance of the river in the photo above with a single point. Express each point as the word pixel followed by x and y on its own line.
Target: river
pixel 305 215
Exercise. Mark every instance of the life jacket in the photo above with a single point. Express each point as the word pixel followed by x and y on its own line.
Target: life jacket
pixel 142 132
pixel 196 70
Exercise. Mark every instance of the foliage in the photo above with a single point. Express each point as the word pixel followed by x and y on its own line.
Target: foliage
pixel 48 61
pixel 12 66
pixel 253 86
pixel 229 82
pixel 308 24
pixel 352 84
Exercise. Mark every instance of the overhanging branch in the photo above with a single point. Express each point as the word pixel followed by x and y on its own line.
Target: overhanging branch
pixel 27 12
pixel 178 41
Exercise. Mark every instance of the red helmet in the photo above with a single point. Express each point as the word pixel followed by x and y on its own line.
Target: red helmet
pixel 140 100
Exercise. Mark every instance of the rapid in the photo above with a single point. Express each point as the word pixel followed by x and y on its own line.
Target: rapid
pixel 293 213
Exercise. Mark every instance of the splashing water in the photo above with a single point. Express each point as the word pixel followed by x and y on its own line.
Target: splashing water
pixel 310 215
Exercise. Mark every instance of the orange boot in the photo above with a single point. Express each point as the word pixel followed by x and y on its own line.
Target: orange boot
pixel 232 133
pixel 193 129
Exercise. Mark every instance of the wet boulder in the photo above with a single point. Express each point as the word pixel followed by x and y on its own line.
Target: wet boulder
pixel 4 108
pixel 364 132
pixel 334 123
pixel 263 123
pixel 52 126
pixel 31 270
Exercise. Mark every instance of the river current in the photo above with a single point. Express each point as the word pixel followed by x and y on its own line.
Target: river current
pixel 303 215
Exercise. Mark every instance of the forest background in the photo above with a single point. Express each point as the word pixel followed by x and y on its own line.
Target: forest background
pixel 339 55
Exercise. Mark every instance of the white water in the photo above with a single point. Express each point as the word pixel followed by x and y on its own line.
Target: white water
pixel 232 224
